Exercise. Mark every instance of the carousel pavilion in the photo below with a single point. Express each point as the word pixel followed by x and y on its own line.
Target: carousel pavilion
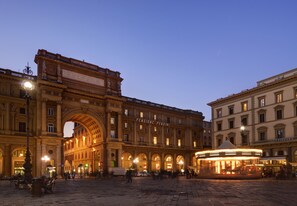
pixel 229 162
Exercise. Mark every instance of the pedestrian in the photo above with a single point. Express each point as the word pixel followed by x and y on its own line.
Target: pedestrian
pixel 129 176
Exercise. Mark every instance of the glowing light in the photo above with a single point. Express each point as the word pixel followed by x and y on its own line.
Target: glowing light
pixel 229 158
pixel 136 160
pixel 27 85
pixel 229 151
pixel 45 158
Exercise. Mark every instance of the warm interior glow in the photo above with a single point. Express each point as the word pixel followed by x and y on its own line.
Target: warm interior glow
pixel 229 158
pixel 229 150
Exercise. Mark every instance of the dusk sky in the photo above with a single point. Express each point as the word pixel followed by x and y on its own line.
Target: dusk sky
pixel 183 54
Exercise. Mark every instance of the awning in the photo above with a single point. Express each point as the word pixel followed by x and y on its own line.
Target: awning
pixel 274 158
pixel 294 164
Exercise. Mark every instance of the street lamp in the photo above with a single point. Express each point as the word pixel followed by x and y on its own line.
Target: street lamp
pixel 27 86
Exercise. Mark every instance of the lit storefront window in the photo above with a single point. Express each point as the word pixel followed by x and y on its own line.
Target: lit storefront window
pixel 155 140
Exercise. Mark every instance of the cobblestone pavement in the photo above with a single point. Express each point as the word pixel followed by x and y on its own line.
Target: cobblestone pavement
pixel 146 191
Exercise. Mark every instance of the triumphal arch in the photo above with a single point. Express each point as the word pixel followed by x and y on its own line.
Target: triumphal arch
pixel 117 131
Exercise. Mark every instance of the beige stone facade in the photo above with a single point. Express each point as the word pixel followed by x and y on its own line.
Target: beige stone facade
pixel 117 129
pixel 268 113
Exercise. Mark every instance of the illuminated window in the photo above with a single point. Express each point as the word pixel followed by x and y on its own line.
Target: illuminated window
pixel 155 129
pixel 278 97
pixel 126 112
pixel 50 127
pixel 155 140
pixel 141 114
pixel 155 117
pixel 179 142
pixel 167 141
pixel 126 125
pixel 244 106
pixel 194 144
pixel 140 127
pixel 112 133
pixel 112 120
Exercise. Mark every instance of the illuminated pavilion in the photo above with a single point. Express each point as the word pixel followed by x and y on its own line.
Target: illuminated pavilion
pixel 229 162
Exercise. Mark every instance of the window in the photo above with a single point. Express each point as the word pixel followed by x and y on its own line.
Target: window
pixel 141 114
pixel 140 127
pixel 231 124
pixel 167 141
pixel 22 126
pixel 179 142
pixel 50 111
pixel 219 142
pixel 179 121
pixel 231 110
pixel 126 137
pixel 244 121
pixel 126 125
pixel 194 144
pixel 168 119
pixel 279 133
pixel 155 129
pixel 22 110
pixel 112 134
pixel 244 139
pixel 295 92
pixel 155 117
pixel 219 113
pixel 155 140
pixel 279 114
pixel 50 127
pixel 244 106
pixel 219 125
pixel 22 93
pixel 262 117
pixel 278 97
pixel 262 135
pixel 112 120
pixel 261 101
pixel 126 112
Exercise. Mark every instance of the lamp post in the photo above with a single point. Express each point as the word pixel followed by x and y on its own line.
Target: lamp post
pixel 27 86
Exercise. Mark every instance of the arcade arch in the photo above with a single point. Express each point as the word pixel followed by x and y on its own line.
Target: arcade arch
pixel 168 163
pixel 18 160
pixel 141 162
pixel 127 161
pixel 156 162
pixel 180 162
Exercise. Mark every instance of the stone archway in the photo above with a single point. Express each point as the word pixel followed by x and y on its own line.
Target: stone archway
pixel 180 163
pixel 17 161
pixel 89 137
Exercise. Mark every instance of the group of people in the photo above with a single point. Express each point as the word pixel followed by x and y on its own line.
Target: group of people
pixel 68 175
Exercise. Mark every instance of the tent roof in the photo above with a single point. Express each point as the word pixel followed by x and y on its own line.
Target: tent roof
pixel 227 145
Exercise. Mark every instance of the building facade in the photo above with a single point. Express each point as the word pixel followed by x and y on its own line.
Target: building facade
pixel 207 135
pixel 263 117
pixel 114 129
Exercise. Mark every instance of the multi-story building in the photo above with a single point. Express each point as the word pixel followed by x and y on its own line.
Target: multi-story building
pixel 262 117
pixel 207 137
pixel 114 130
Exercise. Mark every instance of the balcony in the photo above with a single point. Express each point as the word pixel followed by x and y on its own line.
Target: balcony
pixel 287 139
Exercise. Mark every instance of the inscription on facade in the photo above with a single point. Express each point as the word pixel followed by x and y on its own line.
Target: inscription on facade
pixel 82 78
pixel 152 122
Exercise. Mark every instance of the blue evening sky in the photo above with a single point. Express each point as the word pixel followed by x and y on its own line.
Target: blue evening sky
pixel 183 54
